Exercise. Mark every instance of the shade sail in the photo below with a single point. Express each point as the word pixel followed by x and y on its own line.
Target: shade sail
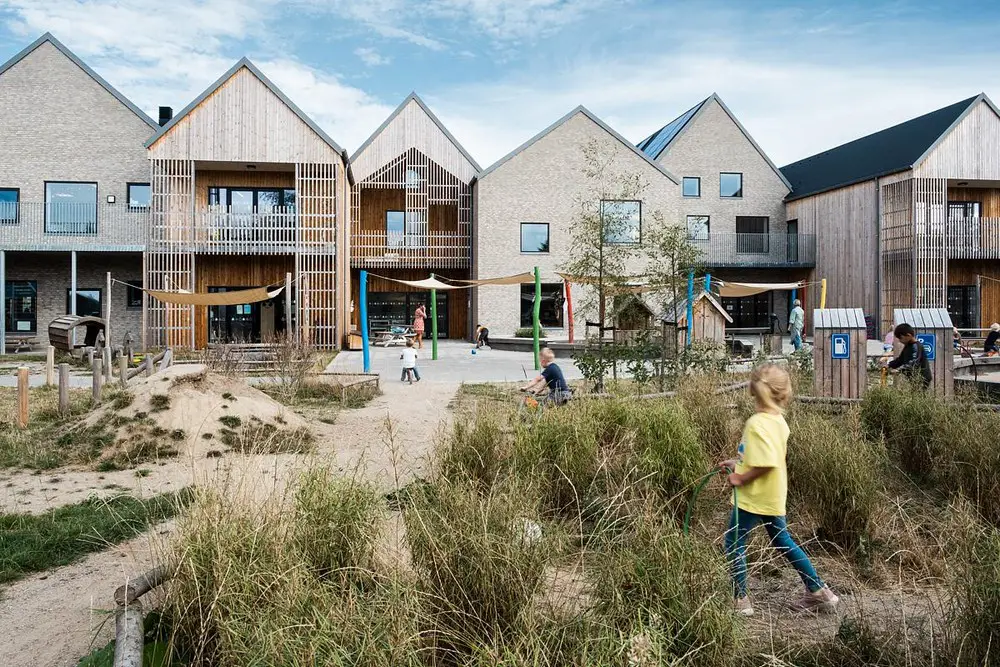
pixel 426 283
pixel 630 286
pixel 235 298
pixel 518 279
pixel 731 289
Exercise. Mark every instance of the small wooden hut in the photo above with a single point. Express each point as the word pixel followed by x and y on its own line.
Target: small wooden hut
pixel 709 319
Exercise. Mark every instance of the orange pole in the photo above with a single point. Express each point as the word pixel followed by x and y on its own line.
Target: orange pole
pixel 569 310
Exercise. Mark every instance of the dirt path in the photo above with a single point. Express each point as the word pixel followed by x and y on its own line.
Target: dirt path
pixel 51 619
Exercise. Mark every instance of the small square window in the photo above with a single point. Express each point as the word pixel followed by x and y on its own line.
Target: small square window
pixel 88 302
pixel 8 205
pixel 133 294
pixel 395 228
pixel 139 195
pixel 621 221
pixel 730 185
pixel 691 186
pixel 535 237
pixel 698 227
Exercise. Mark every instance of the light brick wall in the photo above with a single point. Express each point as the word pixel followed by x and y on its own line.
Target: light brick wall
pixel 51 271
pixel 546 183
pixel 712 144
pixel 58 124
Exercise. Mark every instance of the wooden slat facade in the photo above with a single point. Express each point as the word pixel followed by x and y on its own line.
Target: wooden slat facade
pixel 969 152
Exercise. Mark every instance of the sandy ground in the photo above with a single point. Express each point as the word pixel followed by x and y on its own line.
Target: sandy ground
pixel 53 618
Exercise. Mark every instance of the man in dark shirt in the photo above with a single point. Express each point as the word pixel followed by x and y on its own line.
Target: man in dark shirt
pixel 990 345
pixel 551 377
pixel 912 361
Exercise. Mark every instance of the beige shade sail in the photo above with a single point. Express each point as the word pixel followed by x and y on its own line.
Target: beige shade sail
pixel 518 279
pixel 235 298
pixel 731 289
pixel 426 283
pixel 635 285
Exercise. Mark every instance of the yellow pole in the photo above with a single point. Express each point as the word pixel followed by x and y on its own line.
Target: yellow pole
pixel 822 293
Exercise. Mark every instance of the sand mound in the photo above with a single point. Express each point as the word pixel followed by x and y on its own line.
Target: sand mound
pixel 187 410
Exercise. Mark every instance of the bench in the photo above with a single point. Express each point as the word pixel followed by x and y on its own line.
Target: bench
pixel 20 343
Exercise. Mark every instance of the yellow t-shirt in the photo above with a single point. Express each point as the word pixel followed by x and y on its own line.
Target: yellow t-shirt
pixel 764 444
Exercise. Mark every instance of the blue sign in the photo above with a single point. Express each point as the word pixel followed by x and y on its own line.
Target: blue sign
pixel 840 345
pixel 929 343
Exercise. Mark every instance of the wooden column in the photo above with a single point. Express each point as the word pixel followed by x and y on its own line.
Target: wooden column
pixel 98 379
pixel 50 368
pixel 72 294
pixel 22 397
pixel 63 389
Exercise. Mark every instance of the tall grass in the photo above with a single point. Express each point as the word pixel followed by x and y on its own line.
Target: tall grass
pixel 975 613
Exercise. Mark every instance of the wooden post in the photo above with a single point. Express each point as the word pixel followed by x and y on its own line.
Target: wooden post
pixel 72 295
pixel 64 389
pixel 147 361
pixel 98 380
pixel 50 366
pixel 107 326
pixel 22 397
pixel 288 306
pixel 106 359
pixel 123 369
pixel 822 294
pixel 569 311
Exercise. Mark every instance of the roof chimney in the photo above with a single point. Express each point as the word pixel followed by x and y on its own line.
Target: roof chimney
pixel 166 113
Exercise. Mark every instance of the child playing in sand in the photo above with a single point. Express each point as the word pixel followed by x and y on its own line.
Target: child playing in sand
pixel 409 357
pixel 760 486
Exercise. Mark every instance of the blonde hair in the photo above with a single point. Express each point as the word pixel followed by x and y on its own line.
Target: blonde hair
pixel 547 353
pixel 771 387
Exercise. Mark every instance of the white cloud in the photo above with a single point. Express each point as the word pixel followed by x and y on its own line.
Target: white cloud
pixel 371 57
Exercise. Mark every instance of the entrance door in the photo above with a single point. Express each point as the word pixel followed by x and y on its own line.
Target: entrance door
pixel 386 309
pixel 963 306
pixel 245 323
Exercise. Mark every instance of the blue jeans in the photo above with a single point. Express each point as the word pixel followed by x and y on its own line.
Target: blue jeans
pixel 740 525
pixel 406 372
pixel 797 339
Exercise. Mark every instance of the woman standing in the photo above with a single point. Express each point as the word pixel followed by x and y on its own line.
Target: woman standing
pixel 418 325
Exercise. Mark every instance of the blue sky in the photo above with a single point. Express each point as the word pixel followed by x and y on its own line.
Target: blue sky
pixel 802 77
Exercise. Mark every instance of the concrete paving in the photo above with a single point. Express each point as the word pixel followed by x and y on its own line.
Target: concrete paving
pixel 455 363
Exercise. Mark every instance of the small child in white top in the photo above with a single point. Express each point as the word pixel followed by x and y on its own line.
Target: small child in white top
pixel 409 357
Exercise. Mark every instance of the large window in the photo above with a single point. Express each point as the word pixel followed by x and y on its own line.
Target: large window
pixel 698 227
pixel 730 185
pixel 88 302
pixel 963 210
pixel 253 200
pixel 551 311
pixel 749 312
pixel 691 186
pixel 534 237
pixel 8 205
pixel 133 294
pixel 395 228
pixel 139 195
pixel 70 208
pixel 752 234
pixel 21 306
pixel 621 221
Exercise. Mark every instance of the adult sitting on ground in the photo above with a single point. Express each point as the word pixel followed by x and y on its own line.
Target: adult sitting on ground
pixel 551 377
pixel 990 348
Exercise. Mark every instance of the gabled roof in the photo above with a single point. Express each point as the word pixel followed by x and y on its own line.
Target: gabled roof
pixel 889 151
pixel 660 142
pixel 48 37
pixel 245 62
pixel 586 112
pixel 677 314
pixel 413 97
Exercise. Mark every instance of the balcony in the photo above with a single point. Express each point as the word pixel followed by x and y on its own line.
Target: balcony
pixel 63 227
pixel 235 231
pixel 409 250
pixel 732 249
pixel 973 238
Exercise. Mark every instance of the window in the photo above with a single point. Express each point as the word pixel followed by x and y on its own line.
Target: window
pixel 963 306
pixel 395 222
pixel 139 195
pixel 21 306
pixel 697 227
pixel 621 221
pixel 8 205
pixel 691 186
pixel 551 311
pixel 963 210
pixel 70 208
pixel 252 200
pixel 749 312
pixel 730 185
pixel 133 295
pixel 412 179
pixel 534 237
pixel 88 302
pixel 752 234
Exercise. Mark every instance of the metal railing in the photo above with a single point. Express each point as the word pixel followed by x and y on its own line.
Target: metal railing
pixel 234 230
pixel 762 250
pixel 441 250
pixel 76 226
pixel 973 238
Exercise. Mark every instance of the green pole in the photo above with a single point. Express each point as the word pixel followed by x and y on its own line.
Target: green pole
pixel 536 311
pixel 434 322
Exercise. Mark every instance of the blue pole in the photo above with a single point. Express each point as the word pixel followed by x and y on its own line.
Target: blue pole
pixel 708 283
pixel 365 352
pixel 795 295
pixel 690 308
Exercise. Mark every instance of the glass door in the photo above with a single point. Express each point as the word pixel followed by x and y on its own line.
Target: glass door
pixel 233 324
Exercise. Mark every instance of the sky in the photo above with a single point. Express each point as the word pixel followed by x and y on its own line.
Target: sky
pixel 801 76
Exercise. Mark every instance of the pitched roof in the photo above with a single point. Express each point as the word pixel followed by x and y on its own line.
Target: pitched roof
pixel 894 149
pixel 48 37
pixel 677 313
pixel 586 112
pixel 416 98
pixel 245 62
pixel 659 142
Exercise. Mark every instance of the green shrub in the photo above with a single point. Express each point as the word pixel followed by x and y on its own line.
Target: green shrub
pixel 904 418
pixel 529 332
pixel 476 450
pixel 718 425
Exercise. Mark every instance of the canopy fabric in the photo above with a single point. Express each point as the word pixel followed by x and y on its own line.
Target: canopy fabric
pixel 426 283
pixel 235 298
pixel 632 286
pixel 731 289
pixel 518 279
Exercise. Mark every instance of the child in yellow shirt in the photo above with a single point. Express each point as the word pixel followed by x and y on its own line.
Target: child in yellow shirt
pixel 760 481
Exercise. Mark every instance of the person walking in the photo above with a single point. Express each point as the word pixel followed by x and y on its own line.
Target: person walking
pixel 418 325
pixel 409 357
pixel 796 323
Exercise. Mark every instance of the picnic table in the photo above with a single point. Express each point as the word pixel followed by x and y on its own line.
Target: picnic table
pixel 396 335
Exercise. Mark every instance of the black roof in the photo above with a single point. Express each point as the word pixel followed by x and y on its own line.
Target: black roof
pixel 886 152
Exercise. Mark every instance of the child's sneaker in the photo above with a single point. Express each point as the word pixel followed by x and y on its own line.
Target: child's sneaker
pixel 822 600
pixel 742 606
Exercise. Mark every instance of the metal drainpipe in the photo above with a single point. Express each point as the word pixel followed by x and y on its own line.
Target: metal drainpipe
pixel 878 252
